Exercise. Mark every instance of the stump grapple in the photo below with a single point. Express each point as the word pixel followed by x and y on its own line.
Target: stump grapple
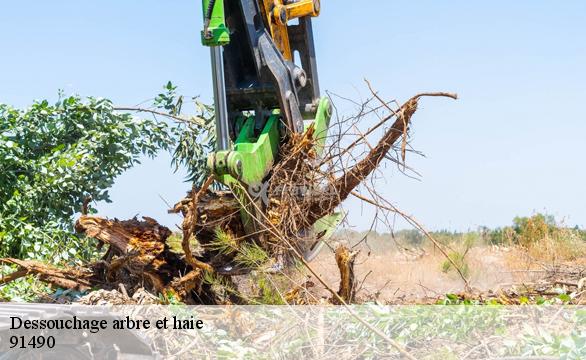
pixel 266 88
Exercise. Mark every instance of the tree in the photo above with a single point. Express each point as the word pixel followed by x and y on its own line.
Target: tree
pixel 53 157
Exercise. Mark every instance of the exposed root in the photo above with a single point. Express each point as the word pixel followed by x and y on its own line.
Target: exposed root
pixel 75 279
pixel 345 260
pixel 189 226
pixel 183 286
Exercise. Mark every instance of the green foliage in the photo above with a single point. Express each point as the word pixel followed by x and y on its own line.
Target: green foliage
pixel 251 256
pixel 500 236
pixel 268 292
pixel 459 259
pixel 169 298
pixel 248 255
pixel 195 140
pixel 541 342
pixel 453 299
pixel 224 242
pixel 52 157
pixel 195 134
pixel 542 236
pixel 534 228
pixel 528 230
pixel 167 100
pixel 221 285
pixel 532 231
pixel 25 289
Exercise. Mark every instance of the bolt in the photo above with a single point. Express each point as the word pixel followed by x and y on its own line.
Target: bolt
pixel 279 14
pixel 283 16
pixel 300 77
pixel 316 6
pixel 300 125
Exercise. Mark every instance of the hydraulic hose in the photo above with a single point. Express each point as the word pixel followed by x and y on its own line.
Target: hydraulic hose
pixel 208 18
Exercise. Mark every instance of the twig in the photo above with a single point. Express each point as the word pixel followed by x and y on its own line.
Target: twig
pixel 421 228
pixel 363 281
pixel 155 112
pixel 405 127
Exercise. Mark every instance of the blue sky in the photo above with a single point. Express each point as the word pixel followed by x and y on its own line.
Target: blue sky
pixel 512 145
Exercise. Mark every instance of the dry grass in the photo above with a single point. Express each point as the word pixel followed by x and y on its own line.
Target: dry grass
pixel 557 246
pixel 541 241
pixel 396 271
pixel 393 276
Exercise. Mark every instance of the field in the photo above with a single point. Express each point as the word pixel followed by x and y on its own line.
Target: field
pixel 531 266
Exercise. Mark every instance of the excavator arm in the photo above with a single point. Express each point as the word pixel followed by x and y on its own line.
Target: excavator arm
pixel 265 88
pixel 257 47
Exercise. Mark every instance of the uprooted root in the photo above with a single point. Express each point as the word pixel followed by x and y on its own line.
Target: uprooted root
pixel 76 279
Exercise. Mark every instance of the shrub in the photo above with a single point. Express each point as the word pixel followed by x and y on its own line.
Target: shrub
pixel 543 237
pixel 459 259
pixel 53 157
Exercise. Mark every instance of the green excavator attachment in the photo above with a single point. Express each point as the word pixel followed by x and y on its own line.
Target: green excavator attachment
pixel 244 167
pixel 243 161
pixel 324 228
pixel 321 124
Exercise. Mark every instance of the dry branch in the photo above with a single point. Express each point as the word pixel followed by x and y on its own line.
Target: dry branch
pixel 142 241
pixel 192 120
pixel 345 184
pixel 77 279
